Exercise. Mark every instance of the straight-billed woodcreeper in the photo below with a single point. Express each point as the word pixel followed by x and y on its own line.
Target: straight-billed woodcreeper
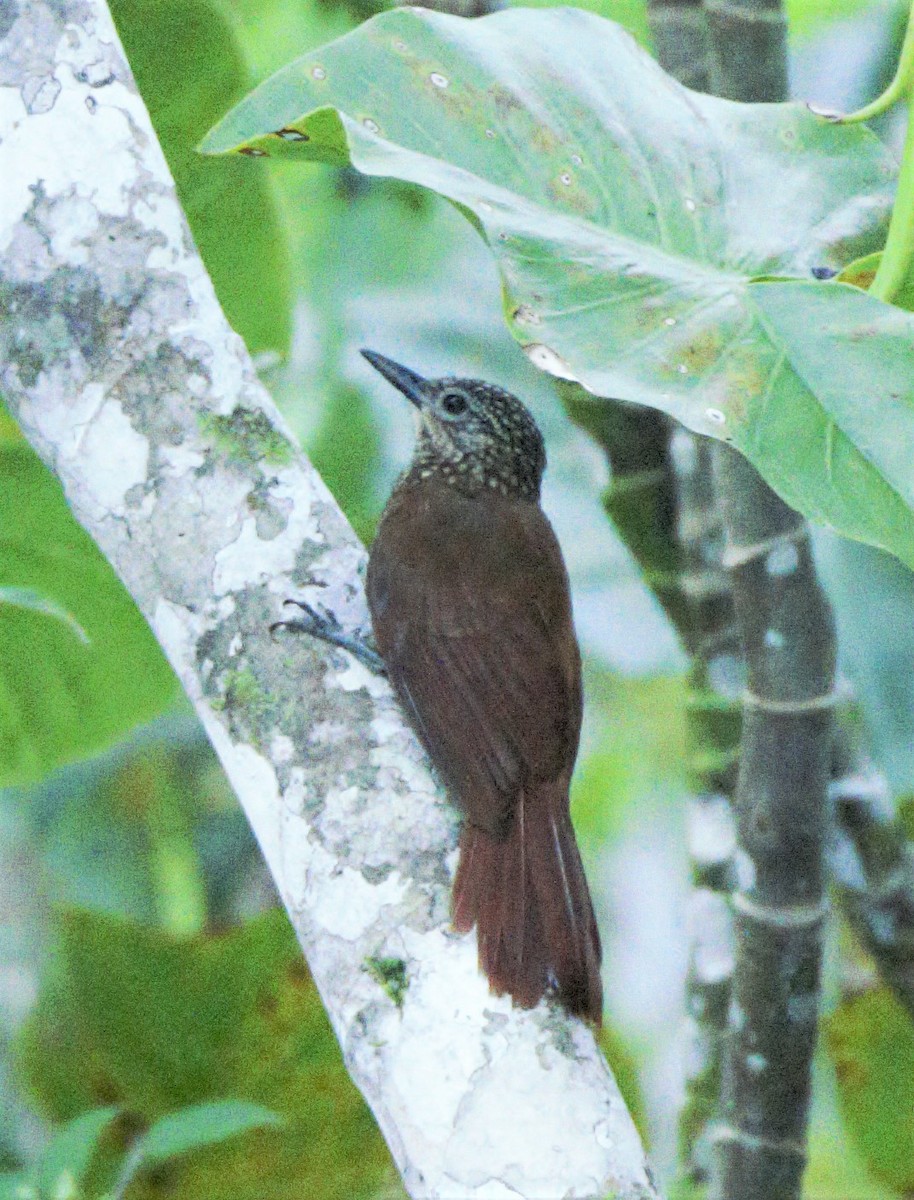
pixel 469 601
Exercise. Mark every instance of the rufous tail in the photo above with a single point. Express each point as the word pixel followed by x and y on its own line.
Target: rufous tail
pixel 527 895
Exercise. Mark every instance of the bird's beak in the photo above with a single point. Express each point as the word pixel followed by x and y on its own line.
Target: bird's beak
pixel 412 386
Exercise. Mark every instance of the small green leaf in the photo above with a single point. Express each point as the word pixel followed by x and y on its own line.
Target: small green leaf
pixel 33 601
pixel 871 1042
pixel 59 697
pixel 633 223
pixel 862 271
pixel 67 1159
pixel 202 1125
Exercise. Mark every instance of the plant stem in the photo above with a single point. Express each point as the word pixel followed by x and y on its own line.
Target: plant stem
pixel 896 263
pixel 897 260
pixel 898 88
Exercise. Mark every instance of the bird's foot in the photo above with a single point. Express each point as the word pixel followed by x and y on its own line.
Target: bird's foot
pixel 325 627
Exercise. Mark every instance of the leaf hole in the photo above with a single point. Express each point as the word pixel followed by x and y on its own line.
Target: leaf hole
pixel 525 314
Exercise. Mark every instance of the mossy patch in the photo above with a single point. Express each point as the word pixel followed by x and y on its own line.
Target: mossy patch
pixel 246 436
pixel 390 973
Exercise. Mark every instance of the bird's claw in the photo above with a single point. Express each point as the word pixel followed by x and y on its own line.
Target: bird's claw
pixel 326 628
pixel 323 625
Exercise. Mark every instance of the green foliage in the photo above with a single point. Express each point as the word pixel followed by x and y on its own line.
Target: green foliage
pixel 187 64
pixel 61 698
pixel 345 452
pixel 126 832
pixel 196 1019
pixel 35 602
pixel 807 17
pixel 640 740
pixel 906 816
pixel 625 1069
pixel 135 1017
pixel 67 1158
pixel 871 1042
pixel 62 1172
pixel 645 290
pixel 862 271
pixel 194 1128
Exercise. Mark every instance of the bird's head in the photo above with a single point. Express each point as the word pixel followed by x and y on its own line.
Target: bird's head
pixel 472 434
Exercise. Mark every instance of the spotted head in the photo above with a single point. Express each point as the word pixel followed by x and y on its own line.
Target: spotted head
pixel 472 434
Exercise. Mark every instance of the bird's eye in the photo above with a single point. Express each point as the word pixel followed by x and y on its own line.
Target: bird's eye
pixel 454 404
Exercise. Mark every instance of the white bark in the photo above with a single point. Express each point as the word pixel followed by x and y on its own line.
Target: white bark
pixel 128 382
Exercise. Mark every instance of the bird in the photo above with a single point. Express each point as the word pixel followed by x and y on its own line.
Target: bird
pixel 471 612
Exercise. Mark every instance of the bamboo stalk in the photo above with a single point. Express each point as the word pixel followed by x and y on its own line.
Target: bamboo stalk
pixel 780 903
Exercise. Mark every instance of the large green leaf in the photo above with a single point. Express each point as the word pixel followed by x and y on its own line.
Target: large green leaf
pixel 633 222
pixel 60 698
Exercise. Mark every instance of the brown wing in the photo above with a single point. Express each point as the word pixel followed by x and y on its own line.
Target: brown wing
pixel 470 606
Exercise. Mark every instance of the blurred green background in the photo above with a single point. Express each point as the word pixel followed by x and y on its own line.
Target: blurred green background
pixel 143 961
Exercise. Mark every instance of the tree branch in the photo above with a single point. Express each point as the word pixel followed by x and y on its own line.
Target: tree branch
pixel 126 379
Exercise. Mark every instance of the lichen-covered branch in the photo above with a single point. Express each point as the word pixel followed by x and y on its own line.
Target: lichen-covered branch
pixel 122 372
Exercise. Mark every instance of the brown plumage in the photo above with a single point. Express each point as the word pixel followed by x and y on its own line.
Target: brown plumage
pixel 471 612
